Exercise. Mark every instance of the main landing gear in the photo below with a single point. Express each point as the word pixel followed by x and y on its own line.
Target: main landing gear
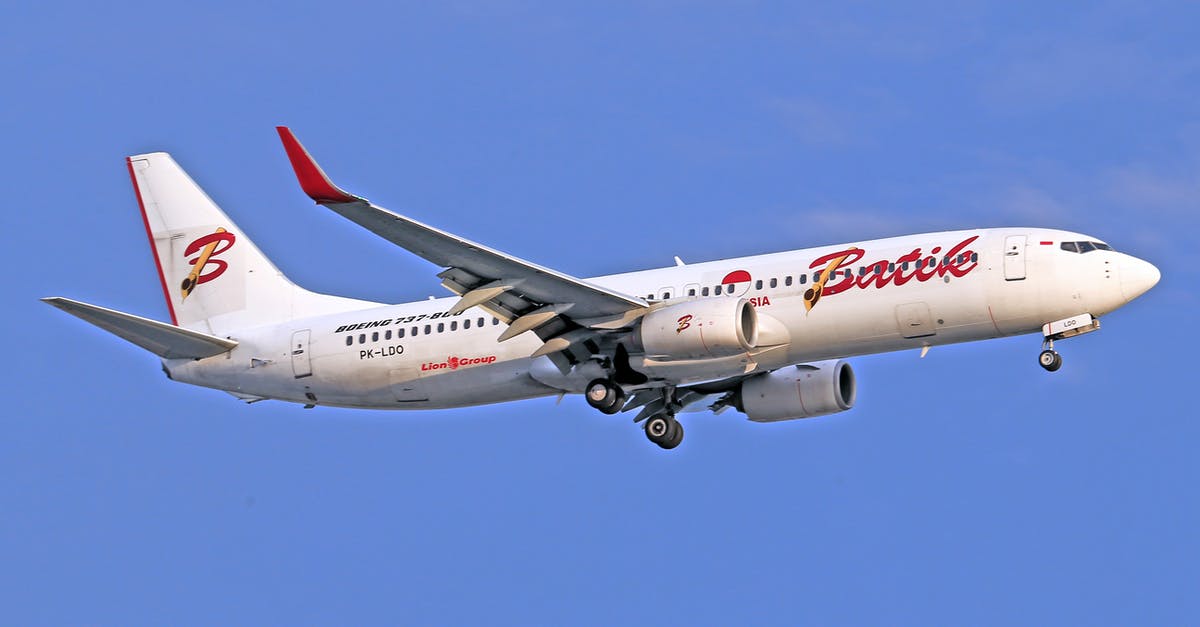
pixel 605 395
pixel 661 428
pixel 664 430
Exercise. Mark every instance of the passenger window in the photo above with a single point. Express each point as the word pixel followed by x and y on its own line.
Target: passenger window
pixel 467 323
pixel 691 291
pixel 774 282
pixel 349 340
pixel 441 327
pixel 362 338
pixel 758 284
pixel 495 321
pixel 480 322
pixel 904 266
pixel 879 268
pixel 787 280
pixel 891 267
pixel 387 335
pixel 862 271
pixel 428 329
pixel 704 292
pixel 666 295
pixel 416 331
pixel 974 256
pixel 729 288
pixel 849 273
pixel 454 325
pixel 803 279
pixel 400 333
pixel 375 336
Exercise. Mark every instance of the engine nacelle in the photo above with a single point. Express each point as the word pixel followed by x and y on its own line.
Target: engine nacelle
pixel 805 391
pixel 700 329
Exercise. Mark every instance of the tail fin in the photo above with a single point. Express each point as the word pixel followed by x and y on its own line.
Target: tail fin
pixel 214 278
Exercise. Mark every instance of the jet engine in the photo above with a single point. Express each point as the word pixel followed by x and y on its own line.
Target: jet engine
pixel 700 329
pixel 803 391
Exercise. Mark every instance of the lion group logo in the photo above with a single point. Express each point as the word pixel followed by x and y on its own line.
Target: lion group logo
pixel 206 267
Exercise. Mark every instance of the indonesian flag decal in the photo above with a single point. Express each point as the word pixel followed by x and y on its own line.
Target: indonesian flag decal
pixel 739 279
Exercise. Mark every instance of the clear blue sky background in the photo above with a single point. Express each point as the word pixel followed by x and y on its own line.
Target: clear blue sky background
pixel 970 487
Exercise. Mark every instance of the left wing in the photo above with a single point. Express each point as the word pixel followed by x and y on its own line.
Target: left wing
pixel 562 309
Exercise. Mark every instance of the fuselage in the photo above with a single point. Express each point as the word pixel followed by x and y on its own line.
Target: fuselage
pixel 876 296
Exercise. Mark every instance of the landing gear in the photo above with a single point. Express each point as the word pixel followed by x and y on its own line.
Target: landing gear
pixel 1049 358
pixel 605 395
pixel 664 431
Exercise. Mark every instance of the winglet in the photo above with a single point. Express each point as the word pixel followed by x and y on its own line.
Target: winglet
pixel 312 178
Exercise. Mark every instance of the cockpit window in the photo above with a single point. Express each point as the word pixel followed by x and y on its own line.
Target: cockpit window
pixel 1084 247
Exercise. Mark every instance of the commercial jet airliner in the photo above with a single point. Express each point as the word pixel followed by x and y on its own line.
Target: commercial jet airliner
pixel 766 335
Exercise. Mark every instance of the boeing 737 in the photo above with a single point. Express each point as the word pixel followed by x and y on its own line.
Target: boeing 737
pixel 766 335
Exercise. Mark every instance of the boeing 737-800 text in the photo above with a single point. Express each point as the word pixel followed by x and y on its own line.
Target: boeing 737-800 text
pixel 766 335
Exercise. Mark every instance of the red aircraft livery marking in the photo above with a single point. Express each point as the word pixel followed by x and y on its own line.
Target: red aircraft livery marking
pixel 958 261
pixel 454 363
pixel 208 246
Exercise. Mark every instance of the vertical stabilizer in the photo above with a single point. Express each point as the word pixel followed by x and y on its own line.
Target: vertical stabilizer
pixel 214 279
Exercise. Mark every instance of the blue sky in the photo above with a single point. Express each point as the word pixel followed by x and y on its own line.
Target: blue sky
pixel 969 487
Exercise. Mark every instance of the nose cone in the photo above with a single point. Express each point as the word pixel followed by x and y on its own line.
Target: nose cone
pixel 1137 277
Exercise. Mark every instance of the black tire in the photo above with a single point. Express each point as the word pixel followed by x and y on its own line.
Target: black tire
pixel 605 396
pixel 676 436
pixel 1050 360
pixel 658 428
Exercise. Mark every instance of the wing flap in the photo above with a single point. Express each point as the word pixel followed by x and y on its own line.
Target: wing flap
pixel 162 339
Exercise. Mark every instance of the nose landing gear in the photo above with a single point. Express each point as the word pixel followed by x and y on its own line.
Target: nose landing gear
pixel 1049 358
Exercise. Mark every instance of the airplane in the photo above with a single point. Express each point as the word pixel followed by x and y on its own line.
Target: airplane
pixel 766 335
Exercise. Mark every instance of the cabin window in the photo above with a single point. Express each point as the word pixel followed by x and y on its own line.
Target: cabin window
pixel 362 338
pixel 774 282
pixel 428 329
pixel 758 284
pixel 666 295
pixel 704 292
pixel 349 340
pixel 375 336
pixel 974 256
pixel 787 280
pixel 691 291
pixel 803 279
pixel 400 333
pixel 387 335
pixel 467 323
pixel 816 277
pixel 495 321
pixel 480 321
pixel 441 327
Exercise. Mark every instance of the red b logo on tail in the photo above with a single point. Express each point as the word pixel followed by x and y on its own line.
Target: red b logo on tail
pixel 208 246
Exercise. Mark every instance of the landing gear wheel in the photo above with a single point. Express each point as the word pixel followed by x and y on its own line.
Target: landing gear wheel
pixel 605 396
pixel 1050 360
pixel 664 431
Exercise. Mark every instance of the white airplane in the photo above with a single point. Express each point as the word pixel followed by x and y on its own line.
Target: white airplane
pixel 766 335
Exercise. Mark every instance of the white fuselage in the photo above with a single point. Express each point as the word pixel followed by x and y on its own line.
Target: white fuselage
pixel 1000 282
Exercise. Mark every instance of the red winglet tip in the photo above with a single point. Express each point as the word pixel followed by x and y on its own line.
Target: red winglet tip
pixel 312 179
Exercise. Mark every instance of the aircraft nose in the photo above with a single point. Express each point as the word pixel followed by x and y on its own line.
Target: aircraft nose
pixel 1137 277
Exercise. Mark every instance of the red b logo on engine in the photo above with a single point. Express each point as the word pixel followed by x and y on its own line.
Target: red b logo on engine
pixel 684 322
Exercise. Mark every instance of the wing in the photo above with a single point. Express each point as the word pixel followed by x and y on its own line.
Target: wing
pixel 162 339
pixel 563 310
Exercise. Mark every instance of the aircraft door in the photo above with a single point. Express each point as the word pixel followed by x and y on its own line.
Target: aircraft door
pixel 301 362
pixel 1014 258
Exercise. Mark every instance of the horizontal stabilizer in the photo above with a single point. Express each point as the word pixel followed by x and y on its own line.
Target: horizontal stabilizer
pixel 162 339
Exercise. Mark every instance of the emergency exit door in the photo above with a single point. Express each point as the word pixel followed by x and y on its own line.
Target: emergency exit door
pixel 1014 258
pixel 301 362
